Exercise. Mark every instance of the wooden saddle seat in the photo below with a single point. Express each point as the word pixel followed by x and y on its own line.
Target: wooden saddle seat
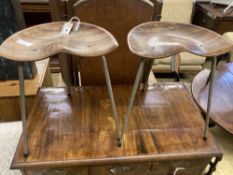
pixel 163 39
pixel 41 41
pixel 222 107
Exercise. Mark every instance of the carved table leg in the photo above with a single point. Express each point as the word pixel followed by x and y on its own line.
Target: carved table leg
pixel 213 165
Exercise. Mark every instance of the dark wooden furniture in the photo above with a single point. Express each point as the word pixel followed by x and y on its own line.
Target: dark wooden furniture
pixel 35 6
pixel 36 11
pixel 222 109
pixel 211 17
pixel 118 17
pixel 76 135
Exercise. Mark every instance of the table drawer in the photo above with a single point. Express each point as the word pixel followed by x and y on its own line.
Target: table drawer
pixel 59 171
pixel 182 167
pixel 132 168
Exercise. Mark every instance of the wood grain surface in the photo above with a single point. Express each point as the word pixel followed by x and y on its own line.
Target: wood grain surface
pixel 77 131
pixel 41 41
pixel 163 39
pixel 222 106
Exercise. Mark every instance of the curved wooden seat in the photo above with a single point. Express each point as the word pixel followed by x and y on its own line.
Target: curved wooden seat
pixel 41 41
pixel 222 106
pixel 163 39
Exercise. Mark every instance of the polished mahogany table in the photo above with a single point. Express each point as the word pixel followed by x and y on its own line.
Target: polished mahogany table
pixel 76 135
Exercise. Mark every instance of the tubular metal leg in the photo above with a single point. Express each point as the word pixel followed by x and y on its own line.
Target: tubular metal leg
pixel 110 93
pixel 22 108
pixel 213 68
pixel 146 74
pixel 133 93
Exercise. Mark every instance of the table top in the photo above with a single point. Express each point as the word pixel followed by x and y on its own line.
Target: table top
pixel 41 41
pixel 222 106
pixel 163 39
pixel 77 131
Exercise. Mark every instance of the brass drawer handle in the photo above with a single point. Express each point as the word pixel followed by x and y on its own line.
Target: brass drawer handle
pixel 178 169
pixel 117 170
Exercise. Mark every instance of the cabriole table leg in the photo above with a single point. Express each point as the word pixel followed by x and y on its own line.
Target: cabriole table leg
pixel 213 166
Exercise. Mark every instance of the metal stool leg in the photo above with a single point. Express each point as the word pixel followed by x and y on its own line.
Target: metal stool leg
pixel 110 93
pixel 22 108
pixel 133 93
pixel 146 74
pixel 212 73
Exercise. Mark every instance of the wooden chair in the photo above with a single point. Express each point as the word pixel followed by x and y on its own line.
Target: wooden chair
pixel 118 17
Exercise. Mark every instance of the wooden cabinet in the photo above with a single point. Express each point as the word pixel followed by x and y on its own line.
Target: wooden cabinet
pixel 211 17
pixel 35 11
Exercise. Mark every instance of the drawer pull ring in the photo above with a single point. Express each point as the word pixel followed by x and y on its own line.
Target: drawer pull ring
pixel 178 169
pixel 119 170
